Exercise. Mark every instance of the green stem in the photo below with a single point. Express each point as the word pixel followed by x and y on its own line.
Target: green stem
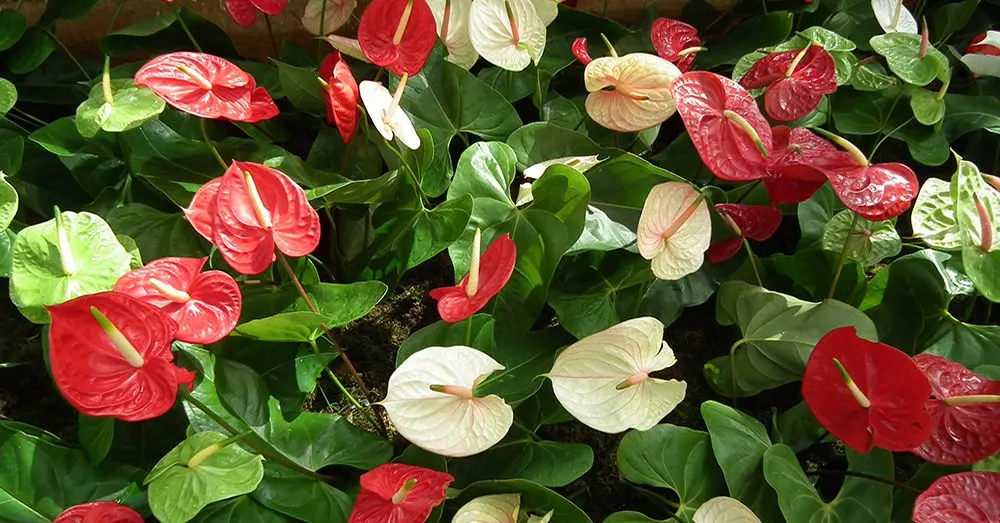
pixel 748 191
pixel 343 390
pixel 187 31
pixel 69 54
pixel 468 331
pixel 29 117
pixel 886 137
pixel 270 34
pixel 114 17
pixel 862 475
pixel 753 263
pixel 211 145
pixel 843 258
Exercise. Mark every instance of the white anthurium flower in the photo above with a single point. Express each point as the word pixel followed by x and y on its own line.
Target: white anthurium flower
pixel 603 380
pixel 674 230
pixel 894 17
pixel 547 10
pixel 495 508
pixel 982 64
pixel 580 163
pixel 630 93
pixel 452 18
pixel 348 46
pixel 384 111
pixel 524 196
pixel 336 14
pixel 541 519
pixel 507 33
pixel 724 509
pixel 431 402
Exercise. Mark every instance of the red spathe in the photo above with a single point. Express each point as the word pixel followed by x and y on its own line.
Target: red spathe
pixel 496 268
pixel 381 484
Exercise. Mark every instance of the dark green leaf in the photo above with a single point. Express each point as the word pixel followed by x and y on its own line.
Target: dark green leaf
pixel 301 497
pixel 476 332
pixel 302 88
pixel 12 26
pixel 520 456
pixel 242 391
pixel 797 428
pixel 29 52
pixel 540 141
pixel 96 435
pixel 620 185
pixel 162 34
pixel 856 112
pixel 286 317
pixel 750 35
pixel 65 10
pixel 158 234
pixel 964 114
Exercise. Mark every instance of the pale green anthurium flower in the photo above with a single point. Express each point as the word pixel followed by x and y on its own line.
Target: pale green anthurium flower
pixel 580 163
pixel 452 18
pixel 893 16
pixel 547 10
pixel 675 229
pixel 724 509
pixel 630 93
pixel 603 380
pixel 336 14
pixel 495 508
pixel 507 33
pixel 385 113
pixel 348 46
pixel 541 519
pixel 431 402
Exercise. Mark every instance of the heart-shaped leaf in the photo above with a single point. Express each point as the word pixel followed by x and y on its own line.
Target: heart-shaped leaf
pixel 933 217
pixel 866 242
pixel 902 52
pixel 127 107
pixel 286 317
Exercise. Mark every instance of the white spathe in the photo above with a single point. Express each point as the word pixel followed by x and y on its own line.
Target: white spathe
pixel 378 102
pixel 985 64
pixel 603 380
pixel 450 424
pixel 337 13
pixel 724 509
pixel 630 93
pixel 547 10
pixel 675 229
pixel 580 163
pixel 495 508
pixel 541 519
pixel 894 17
pixel 509 41
pixel 457 42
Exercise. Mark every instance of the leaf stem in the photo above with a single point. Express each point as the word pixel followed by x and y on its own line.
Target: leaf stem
pixel 270 34
pixel 862 475
pixel 187 30
pixel 347 360
pixel 753 264
pixel 343 390
pixel 886 137
pixel 468 331
pixel 66 50
pixel 843 258
pixel 215 152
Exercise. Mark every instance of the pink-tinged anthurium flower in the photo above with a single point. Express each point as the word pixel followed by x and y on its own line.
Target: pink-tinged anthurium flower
pixel 205 305
pixel 494 508
pixel 894 17
pixel 397 34
pixel 507 33
pixel 755 222
pixel 385 113
pixel 398 493
pixel 580 51
pixel 603 380
pixel 725 125
pixel 982 57
pixel 206 86
pixel 965 413
pixel 487 276
pixel 341 95
pixel 110 356
pixel 452 18
pixel 333 14
pixel 433 403
pixel 966 497
pixel 99 512
pixel 630 93
pixel 796 81
pixel 676 42
pixel 251 210
pixel 867 394
pixel 724 509
pixel 674 230
pixel 244 12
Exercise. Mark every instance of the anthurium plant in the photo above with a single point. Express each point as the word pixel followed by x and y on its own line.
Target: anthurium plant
pixel 503 261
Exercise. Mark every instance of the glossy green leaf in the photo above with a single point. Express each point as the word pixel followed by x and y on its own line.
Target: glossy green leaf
pixel 162 34
pixel 302 88
pixel 981 262
pixel 12 155
pixel 755 33
pixel 526 357
pixel 867 242
pixel 176 165
pixel 585 297
pixel 96 436
pixel 933 216
pixel 927 108
pixel 779 333
pixel 540 141
pixel 675 458
pixel 797 428
pixel 66 10
pixel 158 234
pixel 856 112
pixel 535 498
pixel 178 492
pixel 33 48
pixel 859 500
pixel 521 456
pixel 301 497
pixel 809 274
pixel 8 95
pixel 285 317
pixel 814 213
pixel 7 240
pixel 12 26
pixel 619 186
pixel 373 190
pixel 964 114
pixel 242 391
pixel 8 202
pixel 130 107
pixel 952 17
pixel 902 54
pixel 241 508
pixel 476 332
pixel 871 77
pixel 739 443
pixel 601 233
pixel 46 273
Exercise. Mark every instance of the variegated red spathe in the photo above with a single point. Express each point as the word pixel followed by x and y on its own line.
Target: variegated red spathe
pixel 796 81
pixel 397 34
pixel 251 211
pixel 205 305
pixel 676 42
pixel 99 512
pixel 341 95
pixel 111 356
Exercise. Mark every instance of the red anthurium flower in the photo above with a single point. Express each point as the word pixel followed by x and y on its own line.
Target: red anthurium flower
pixel 983 44
pixel 485 279
pixel 877 191
pixel 580 51
pixel 794 173
pixel 675 42
pixel 966 497
pixel 866 393
pixel 732 137
pixel 251 210
pixel 796 81
pixel 110 356
pixel 756 222
pixel 398 493
pixel 244 12
pixel 205 305
pixel 99 512
pixel 206 86
pixel 965 413
pixel 341 95
pixel 398 34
